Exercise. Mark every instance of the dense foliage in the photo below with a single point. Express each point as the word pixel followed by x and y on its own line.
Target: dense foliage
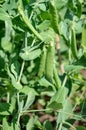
pixel 42 64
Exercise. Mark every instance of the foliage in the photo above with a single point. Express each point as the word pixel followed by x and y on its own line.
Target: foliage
pixel 36 38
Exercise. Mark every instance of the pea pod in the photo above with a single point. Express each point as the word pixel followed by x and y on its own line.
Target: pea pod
pixel 56 78
pixel 28 23
pixel 42 63
pixel 54 15
pixel 73 43
pixel 50 62
pixel 84 38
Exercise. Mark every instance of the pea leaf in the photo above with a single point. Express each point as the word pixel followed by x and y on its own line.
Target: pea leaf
pixel 80 128
pixel 30 124
pixel 4 109
pixel 3 15
pixel 48 126
pixel 6 126
pixel 30 55
pixel 30 100
pixel 59 98
pixel 15 83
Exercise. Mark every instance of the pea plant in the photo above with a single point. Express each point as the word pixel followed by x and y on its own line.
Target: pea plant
pixel 42 64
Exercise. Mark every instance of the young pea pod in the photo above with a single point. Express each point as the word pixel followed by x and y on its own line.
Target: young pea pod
pixel 84 38
pixel 49 66
pixel 56 78
pixel 42 63
pixel 73 43
pixel 28 23
pixel 54 15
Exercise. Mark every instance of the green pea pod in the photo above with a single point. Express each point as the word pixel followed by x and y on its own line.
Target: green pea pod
pixel 56 78
pixel 50 62
pixel 54 16
pixel 84 38
pixel 73 43
pixel 42 63
pixel 28 23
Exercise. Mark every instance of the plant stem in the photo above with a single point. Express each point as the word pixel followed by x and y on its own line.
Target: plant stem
pixel 25 40
pixel 60 126
pixel 64 82
pixel 69 55
pixel 31 15
pixel 70 114
pixel 41 110
pixel 18 119
pixel 67 123
pixel 22 68
pixel 23 63
pixel 18 98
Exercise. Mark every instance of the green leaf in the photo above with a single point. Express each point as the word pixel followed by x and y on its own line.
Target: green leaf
pixel 6 126
pixel 10 7
pixel 64 29
pixel 30 100
pixel 15 83
pixel 17 127
pixel 47 125
pixel 11 126
pixel 73 68
pixel 61 3
pixel 44 25
pixel 26 55
pixel 54 105
pixel 4 109
pixel 66 112
pixel 44 82
pixel 8 29
pixel 3 15
pixel 7 108
pixel 1 1
pixel 42 7
pixel 59 98
pixel 48 35
pixel 60 95
pixel 14 71
pixel 81 128
pixel 6 44
pixel 30 124
pixel 26 90
pixel 64 128
pixel 20 106
pixel 13 104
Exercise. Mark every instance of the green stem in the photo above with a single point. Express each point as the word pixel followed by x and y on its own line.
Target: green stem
pixel 60 126
pixel 25 40
pixel 41 110
pixel 33 42
pixel 44 110
pixel 23 63
pixel 70 114
pixel 31 15
pixel 64 82
pixel 18 98
pixel 18 119
pixel 22 68
pixel 69 125
pixel 69 55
